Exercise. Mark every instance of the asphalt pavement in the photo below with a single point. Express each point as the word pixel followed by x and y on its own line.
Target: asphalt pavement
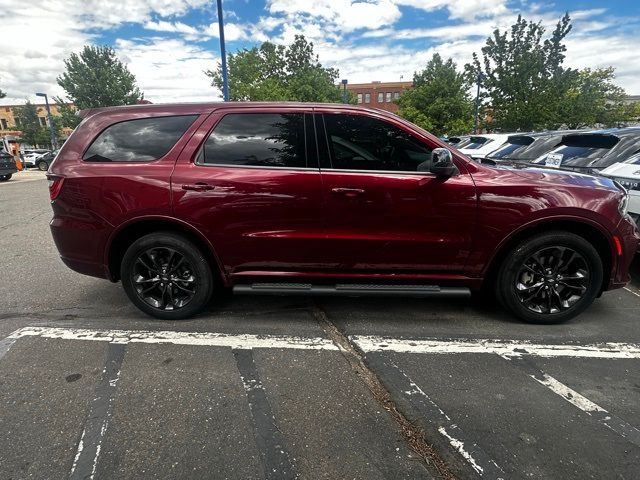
pixel 289 387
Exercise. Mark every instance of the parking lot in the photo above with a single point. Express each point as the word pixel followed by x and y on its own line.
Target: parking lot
pixel 279 387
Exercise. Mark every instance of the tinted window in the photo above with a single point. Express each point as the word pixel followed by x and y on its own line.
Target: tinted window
pixel 144 139
pixel 575 154
pixel 257 139
pixel 513 146
pixel 364 143
pixel 475 143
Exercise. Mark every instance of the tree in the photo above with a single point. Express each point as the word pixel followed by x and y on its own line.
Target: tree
pixel 277 72
pixel 33 133
pixel 67 114
pixel 439 100
pixel 592 99
pixel 2 94
pixel 96 78
pixel 523 74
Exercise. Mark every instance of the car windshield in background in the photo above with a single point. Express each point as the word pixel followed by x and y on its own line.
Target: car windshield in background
pixel 474 143
pixel 635 160
pixel 581 150
pixel 512 147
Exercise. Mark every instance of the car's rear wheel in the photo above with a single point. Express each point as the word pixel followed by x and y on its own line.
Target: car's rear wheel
pixel 166 276
pixel 43 166
pixel 4 178
pixel 550 278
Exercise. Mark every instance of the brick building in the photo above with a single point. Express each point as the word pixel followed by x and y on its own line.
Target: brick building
pixel 379 94
pixel 9 127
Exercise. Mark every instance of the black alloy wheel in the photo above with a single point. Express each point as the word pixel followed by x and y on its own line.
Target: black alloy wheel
pixel 43 166
pixel 550 277
pixel 166 276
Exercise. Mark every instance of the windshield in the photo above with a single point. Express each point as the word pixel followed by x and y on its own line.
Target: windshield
pixel 634 160
pixel 475 143
pixel 513 146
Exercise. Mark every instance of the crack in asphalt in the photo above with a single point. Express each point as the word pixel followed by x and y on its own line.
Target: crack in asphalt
pixel 413 435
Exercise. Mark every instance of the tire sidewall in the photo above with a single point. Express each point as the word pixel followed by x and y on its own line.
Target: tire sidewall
pixel 192 254
pixel 507 277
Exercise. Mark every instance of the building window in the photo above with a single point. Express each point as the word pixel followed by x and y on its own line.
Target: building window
pixel 388 99
pixel 359 98
pixel 380 97
pixel 396 95
pixel 4 124
pixel 43 121
pixel 367 98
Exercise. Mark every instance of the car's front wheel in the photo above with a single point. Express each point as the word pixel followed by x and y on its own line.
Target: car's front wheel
pixel 166 276
pixel 550 278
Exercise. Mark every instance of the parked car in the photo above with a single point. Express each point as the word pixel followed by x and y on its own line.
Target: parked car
pixel 479 146
pixel 177 201
pixel 523 148
pixel 458 142
pixel 591 152
pixel 30 157
pixel 627 173
pixel 7 166
pixel 43 161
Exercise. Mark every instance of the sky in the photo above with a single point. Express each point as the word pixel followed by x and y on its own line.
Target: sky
pixel 167 44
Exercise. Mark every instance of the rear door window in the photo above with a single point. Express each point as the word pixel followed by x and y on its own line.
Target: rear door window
pixel 257 140
pixel 139 140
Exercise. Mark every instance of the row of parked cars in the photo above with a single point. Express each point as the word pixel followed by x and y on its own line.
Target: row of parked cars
pixel 613 153
pixel 41 159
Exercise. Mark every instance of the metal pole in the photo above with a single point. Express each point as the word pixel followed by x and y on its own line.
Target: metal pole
pixel 345 98
pixel 223 55
pixel 475 115
pixel 54 141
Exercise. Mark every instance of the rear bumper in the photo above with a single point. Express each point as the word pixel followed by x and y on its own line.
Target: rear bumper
pixel 81 243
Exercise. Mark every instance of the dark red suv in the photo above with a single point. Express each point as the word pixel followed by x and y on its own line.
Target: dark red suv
pixel 178 201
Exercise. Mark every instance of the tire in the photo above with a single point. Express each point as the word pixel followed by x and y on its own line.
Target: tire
pixel 7 177
pixel 162 294
pixel 562 271
pixel 43 166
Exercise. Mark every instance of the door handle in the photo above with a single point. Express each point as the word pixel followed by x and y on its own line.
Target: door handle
pixel 348 192
pixel 198 187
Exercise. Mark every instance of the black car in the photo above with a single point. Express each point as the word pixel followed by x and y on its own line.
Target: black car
pixel 524 148
pixel 45 160
pixel 590 152
pixel 7 166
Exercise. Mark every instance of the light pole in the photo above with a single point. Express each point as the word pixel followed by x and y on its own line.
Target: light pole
pixel 54 141
pixel 479 80
pixel 223 55
pixel 344 91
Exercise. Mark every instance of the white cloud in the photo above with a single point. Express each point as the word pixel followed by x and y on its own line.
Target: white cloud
pixel 461 9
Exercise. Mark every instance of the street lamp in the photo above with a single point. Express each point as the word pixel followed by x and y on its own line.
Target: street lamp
pixel 54 142
pixel 344 91
pixel 479 80
pixel 223 55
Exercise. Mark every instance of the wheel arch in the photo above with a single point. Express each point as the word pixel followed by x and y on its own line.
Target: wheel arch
pixel 134 229
pixel 589 230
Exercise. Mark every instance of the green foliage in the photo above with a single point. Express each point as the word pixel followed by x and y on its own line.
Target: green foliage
pixel 32 132
pixel 96 78
pixel 439 100
pixel 523 74
pixel 592 99
pixel 527 87
pixel 67 116
pixel 2 94
pixel 275 72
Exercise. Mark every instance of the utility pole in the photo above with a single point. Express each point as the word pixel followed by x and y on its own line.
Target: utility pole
pixel 345 97
pixel 223 55
pixel 54 141
pixel 479 80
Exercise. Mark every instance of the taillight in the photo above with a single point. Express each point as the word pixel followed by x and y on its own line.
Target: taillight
pixel 55 185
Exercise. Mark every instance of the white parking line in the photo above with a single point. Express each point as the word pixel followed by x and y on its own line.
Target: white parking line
pixel 570 395
pixel 631 291
pixel 504 348
pixel 241 341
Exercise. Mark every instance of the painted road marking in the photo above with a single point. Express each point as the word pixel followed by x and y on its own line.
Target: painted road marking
pixel 632 291
pixel 5 345
pixel 242 341
pixel 85 462
pixel 618 425
pixel 269 440
pixel 427 410
pixel 504 348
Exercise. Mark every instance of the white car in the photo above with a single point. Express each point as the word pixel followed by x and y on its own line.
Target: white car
pixel 30 157
pixel 479 146
pixel 627 174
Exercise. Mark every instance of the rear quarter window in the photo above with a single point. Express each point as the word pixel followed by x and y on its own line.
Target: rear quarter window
pixel 139 140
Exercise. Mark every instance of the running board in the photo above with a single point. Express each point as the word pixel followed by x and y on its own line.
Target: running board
pixel 422 291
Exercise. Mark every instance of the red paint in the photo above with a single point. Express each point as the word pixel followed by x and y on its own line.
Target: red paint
pixel 320 225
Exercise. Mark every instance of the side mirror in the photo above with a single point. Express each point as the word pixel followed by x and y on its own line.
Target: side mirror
pixel 442 163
